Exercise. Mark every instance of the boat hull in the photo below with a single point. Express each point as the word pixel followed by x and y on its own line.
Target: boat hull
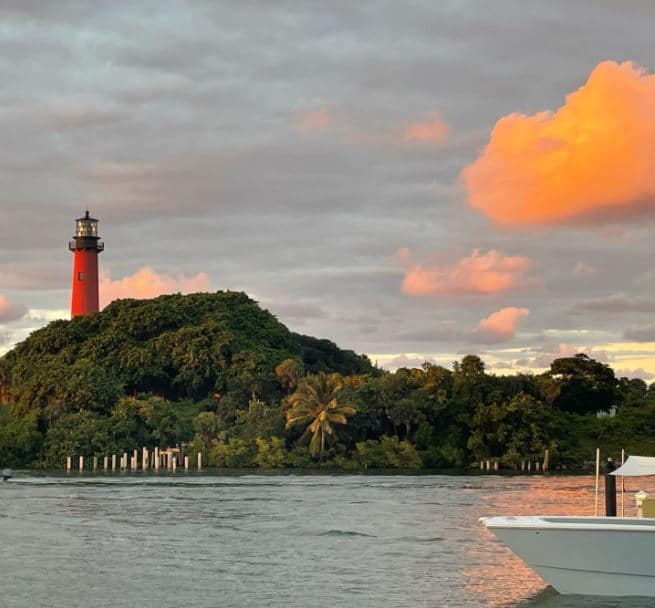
pixel 584 555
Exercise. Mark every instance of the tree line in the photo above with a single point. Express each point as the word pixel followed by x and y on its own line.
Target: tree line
pixel 218 374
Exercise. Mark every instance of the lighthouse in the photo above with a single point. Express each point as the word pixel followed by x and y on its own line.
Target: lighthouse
pixel 85 245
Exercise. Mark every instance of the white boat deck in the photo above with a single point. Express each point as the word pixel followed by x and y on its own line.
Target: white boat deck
pixel 555 522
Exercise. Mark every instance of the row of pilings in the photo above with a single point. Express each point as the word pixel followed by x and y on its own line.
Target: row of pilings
pixel 527 465
pixel 151 460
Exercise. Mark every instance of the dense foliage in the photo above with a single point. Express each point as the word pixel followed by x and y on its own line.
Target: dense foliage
pixel 218 374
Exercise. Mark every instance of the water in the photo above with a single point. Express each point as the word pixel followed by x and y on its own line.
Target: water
pixel 275 541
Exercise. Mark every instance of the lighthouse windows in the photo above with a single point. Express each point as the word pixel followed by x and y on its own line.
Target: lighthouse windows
pixel 80 276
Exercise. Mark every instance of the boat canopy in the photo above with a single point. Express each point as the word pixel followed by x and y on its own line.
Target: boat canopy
pixel 636 466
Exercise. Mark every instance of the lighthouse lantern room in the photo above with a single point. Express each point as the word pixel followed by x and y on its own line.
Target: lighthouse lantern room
pixel 85 245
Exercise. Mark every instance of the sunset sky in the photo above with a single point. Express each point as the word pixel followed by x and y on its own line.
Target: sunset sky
pixel 413 180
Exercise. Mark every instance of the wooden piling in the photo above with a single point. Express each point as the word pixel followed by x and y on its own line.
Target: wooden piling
pixel 156 462
pixel 546 460
pixel 144 458
pixel 81 463
pixel 95 464
pixel 597 478
pixel 113 462
pixel 105 463
pixel 522 465
pixel 174 461
pixel 69 463
pixel 125 461
pixel 529 465
pixel 200 461
pixel 186 463
pixel 496 465
pixel 536 466
pixel 622 485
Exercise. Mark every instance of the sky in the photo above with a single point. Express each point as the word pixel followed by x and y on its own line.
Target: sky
pixel 413 180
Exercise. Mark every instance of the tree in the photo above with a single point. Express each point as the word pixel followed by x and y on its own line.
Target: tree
pixel 586 386
pixel 315 402
pixel 288 373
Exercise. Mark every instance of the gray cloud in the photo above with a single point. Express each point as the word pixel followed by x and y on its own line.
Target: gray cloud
pixel 645 333
pixel 614 304
pixel 176 128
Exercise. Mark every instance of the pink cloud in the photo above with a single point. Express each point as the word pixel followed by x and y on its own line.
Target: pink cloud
pixel 501 325
pixel 430 130
pixel 314 122
pixel 146 283
pixel 560 351
pixel 487 273
pixel 591 159
pixel 10 311
pixel 640 373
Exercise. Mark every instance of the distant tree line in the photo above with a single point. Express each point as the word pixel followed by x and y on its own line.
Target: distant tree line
pixel 223 376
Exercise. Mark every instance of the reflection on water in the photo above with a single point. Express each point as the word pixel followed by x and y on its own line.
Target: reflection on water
pixel 279 541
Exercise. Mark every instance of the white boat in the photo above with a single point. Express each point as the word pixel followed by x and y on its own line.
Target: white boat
pixel 587 555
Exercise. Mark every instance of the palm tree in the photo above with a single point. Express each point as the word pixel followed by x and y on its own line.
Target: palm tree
pixel 315 402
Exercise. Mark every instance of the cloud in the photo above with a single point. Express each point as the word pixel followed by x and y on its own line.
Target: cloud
pixel 582 269
pixel 146 283
pixel 313 122
pixel 108 172
pixel 430 130
pixel 593 159
pixel 406 360
pixel 10 311
pixel 561 350
pixel 613 304
pixel 500 326
pixel 640 372
pixel 487 273
pixel 645 333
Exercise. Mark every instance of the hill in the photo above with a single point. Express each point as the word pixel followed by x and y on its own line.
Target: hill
pixel 178 348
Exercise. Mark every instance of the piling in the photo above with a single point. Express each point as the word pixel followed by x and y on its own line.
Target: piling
pixel 125 460
pixel 81 463
pixel 156 462
pixel 536 466
pixel 200 461
pixel 522 465
pixel 174 461
pixel 546 460
pixel 495 465
pixel 482 465
pixel 105 463
pixel 186 463
pixel 113 462
pixel 597 477
pixel 529 465
pixel 68 464
pixel 622 485
pixel 144 458
pixel 95 464
pixel 610 489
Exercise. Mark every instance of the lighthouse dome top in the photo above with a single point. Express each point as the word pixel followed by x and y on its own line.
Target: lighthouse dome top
pixel 86 226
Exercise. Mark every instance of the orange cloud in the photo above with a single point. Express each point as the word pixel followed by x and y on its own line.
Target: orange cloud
pixel 146 283
pixel 432 129
pixel 501 325
pixel 10 311
pixel 487 273
pixel 314 122
pixel 591 159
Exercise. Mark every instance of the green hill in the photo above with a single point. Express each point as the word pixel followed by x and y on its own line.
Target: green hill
pixel 179 348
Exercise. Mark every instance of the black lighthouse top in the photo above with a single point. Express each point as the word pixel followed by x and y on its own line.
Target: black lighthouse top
pixel 86 234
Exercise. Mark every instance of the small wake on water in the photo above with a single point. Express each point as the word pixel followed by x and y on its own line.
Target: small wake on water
pixel 346 533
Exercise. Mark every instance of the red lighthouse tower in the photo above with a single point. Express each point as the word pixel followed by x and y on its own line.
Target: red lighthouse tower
pixel 86 245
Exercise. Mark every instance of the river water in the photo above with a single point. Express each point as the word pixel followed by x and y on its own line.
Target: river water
pixel 276 540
